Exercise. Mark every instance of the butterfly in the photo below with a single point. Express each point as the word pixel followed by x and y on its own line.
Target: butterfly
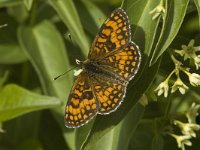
pixel 113 60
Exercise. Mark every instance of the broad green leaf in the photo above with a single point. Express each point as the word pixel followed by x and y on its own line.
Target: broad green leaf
pixel 7 3
pixel 104 143
pixel 197 2
pixel 90 16
pixel 94 12
pixel 46 51
pixel 129 125
pixel 176 11
pixel 30 144
pixel 68 14
pixel 82 133
pixel 15 101
pixel 142 138
pixel 11 54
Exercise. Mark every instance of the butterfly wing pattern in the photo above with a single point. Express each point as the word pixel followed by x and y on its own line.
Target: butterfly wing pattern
pixel 82 104
pixel 124 62
pixel 109 93
pixel 113 61
pixel 113 35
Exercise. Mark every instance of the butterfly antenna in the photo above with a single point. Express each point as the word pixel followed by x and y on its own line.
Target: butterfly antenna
pixel 65 73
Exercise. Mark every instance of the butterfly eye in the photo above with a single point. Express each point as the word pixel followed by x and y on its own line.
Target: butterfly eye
pixel 78 61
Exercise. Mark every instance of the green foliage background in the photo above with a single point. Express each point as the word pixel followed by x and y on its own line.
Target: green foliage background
pixel 35 48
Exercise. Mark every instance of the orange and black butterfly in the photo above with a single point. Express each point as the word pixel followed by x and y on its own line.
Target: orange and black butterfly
pixel 112 62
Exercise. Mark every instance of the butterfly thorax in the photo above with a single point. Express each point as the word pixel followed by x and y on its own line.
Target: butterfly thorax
pixel 96 69
pixel 92 67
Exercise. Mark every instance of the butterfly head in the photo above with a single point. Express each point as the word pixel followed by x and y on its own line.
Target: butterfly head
pixel 80 64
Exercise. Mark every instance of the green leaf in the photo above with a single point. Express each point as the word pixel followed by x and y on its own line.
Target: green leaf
pixel 142 25
pixel 16 101
pixel 104 143
pixel 82 133
pixel 142 138
pixel 8 3
pixel 30 144
pixel 176 11
pixel 19 12
pixel 3 78
pixel 10 51
pixel 28 4
pixel 157 143
pixel 90 16
pixel 197 3
pixel 11 54
pixel 94 12
pixel 68 14
pixel 45 49
pixel 128 127
pixel 51 130
pixel 15 128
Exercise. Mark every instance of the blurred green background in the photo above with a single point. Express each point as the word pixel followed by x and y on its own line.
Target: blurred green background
pixel 40 39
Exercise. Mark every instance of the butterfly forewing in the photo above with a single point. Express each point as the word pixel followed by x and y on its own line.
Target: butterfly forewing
pixel 114 34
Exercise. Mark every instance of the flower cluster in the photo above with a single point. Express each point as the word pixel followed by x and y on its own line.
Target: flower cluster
pixel 187 129
pixel 188 52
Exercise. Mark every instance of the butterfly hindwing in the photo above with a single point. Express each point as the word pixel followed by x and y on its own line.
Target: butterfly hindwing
pixel 114 34
pixel 123 63
pixel 109 93
pixel 82 104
